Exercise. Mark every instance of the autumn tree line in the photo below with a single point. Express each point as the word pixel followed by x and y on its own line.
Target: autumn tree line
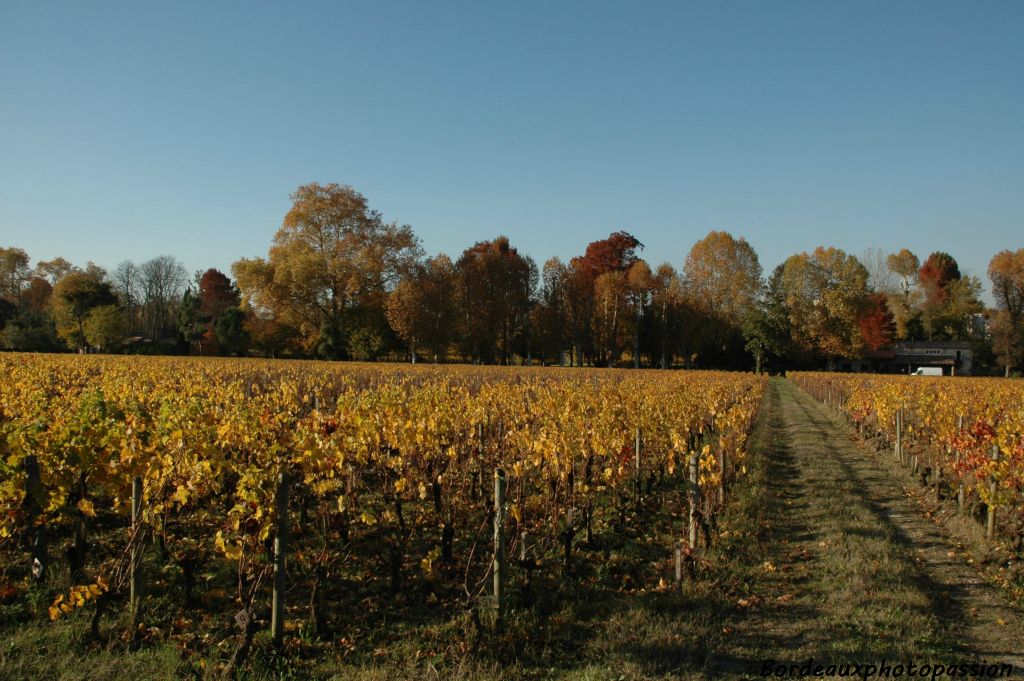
pixel 339 282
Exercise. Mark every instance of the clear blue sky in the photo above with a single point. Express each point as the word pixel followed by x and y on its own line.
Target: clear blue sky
pixel 133 129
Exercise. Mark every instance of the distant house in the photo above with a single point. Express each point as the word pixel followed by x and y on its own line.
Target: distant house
pixel 954 358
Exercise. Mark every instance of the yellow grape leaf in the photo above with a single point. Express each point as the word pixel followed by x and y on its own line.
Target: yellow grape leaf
pixel 86 507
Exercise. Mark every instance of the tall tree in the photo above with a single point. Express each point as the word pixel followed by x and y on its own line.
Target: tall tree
pixel 881 278
pixel 724 275
pixel 331 257
pixel 127 280
pixel 230 331
pixel 1006 271
pixel 937 272
pixel 53 270
pixel 192 326
pixel 550 316
pixel 906 266
pixel 949 300
pixel 161 280
pixel 876 323
pixel 723 281
pixel 610 316
pixel 74 297
pixel 904 304
pixel 668 303
pixel 640 283
pixel 422 310
pixel 14 273
pixel 825 292
pixel 494 288
pixel 216 294
pixel 767 330
pixel 104 328
pixel 615 254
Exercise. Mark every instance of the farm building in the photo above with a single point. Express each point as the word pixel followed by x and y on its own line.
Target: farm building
pixel 954 358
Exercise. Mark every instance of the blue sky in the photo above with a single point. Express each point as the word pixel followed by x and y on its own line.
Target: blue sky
pixel 133 129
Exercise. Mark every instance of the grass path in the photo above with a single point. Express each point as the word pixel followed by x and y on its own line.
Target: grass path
pixel 853 571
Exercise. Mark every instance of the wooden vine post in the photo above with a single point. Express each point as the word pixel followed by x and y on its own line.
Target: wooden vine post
pixel 637 467
pixel 721 476
pixel 694 498
pixel 679 565
pixel 990 527
pixel 898 451
pixel 959 488
pixel 134 583
pixel 960 482
pixel 33 494
pixel 499 547
pixel 280 550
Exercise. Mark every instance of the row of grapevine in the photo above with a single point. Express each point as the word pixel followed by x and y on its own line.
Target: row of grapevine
pixel 343 464
pixel 963 436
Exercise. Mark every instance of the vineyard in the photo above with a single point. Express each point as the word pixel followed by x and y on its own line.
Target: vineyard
pixel 964 438
pixel 277 496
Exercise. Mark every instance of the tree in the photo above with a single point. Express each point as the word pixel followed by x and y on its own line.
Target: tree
pixel 494 297
pixel 766 327
pixel 268 336
pixel 824 295
pixel 232 336
pixel 1007 340
pixel 8 311
pixel 191 324
pixel 640 283
pixel 550 316
pixel 617 253
pixel 216 294
pixel 331 257
pixel 610 294
pixel 906 266
pixel 27 332
pixel 950 300
pixel 1006 271
pixel 881 278
pixel 127 281
pixel 54 270
pixel 421 309
pixel 74 297
pixel 668 302
pixel 955 319
pixel 938 271
pixel 104 327
pixel 14 272
pixel 876 324
pixel 29 325
pixel 161 281
pixel 35 296
pixel 724 276
pixel 936 275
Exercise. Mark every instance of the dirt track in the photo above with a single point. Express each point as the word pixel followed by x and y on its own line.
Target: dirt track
pixel 854 571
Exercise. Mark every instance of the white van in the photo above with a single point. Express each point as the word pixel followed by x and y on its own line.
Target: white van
pixel 928 371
